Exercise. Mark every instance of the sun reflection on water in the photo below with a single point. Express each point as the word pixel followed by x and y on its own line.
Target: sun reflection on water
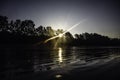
pixel 60 57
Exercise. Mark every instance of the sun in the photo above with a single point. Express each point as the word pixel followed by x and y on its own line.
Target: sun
pixel 60 35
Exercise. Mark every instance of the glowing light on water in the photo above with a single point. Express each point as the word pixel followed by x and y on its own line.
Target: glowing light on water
pixel 60 35
pixel 60 57
pixel 58 76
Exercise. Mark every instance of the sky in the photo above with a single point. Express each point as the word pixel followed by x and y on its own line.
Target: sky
pixel 102 16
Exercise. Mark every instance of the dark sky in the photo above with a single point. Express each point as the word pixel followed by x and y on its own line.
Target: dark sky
pixel 102 16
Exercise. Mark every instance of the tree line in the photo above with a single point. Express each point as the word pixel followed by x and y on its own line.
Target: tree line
pixel 24 32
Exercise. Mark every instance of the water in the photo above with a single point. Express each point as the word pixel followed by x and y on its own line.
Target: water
pixel 26 61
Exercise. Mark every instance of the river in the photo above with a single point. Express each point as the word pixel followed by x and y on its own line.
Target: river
pixel 54 64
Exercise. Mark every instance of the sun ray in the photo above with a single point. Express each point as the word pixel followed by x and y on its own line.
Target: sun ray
pixel 60 35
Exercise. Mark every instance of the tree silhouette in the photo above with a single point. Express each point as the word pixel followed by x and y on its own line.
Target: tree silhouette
pixel 27 27
pixel 39 30
pixel 25 32
pixel 69 38
pixel 49 31
pixel 14 27
pixel 3 23
pixel 59 31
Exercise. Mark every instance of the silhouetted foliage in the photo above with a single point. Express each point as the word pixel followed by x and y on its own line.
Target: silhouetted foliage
pixel 94 39
pixel 24 32
pixel 3 23
pixel 69 38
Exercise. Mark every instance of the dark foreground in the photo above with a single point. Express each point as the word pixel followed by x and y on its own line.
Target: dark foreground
pixel 63 64
pixel 109 71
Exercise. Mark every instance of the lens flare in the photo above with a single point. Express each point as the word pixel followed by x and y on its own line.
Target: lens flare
pixel 51 38
pixel 60 35
pixel 74 26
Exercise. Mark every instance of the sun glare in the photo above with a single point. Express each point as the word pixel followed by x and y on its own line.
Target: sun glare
pixel 60 35
pixel 60 58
